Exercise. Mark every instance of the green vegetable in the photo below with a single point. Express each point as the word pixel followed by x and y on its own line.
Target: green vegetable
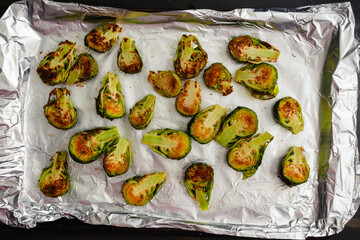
pixel 129 59
pixel 246 154
pixel 139 190
pixel 267 95
pixel 55 180
pixel 165 83
pixel 59 110
pixel 188 102
pixel 252 50
pixel 117 158
pixel 84 68
pixel 110 101
pixel 204 125
pixel 87 146
pixel 103 38
pixel 294 168
pixel 55 66
pixel 174 144
pixel 240 123
pixel 142 113
pixel 218 78
pixel 288 114
pixel 190 57
pixel 199 180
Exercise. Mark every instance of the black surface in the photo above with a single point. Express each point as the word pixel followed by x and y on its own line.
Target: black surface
pixel 75 229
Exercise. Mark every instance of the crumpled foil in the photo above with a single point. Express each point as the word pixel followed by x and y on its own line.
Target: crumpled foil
pixel 318 65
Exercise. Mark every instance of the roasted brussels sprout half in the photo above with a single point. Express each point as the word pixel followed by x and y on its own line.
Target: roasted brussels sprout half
pixel 252 50
pixel 165 83
pixel 129 59
pixel 110 102
pixel 55 180
pixel 294 168
pixel 199 180
pixel 84 68
pixel 139 190
pixel 204 125
pixel 288 114
pixel 240 123
pixel 142 113
pixel 174 144
pixel 246 154
pixel 188 102
pixel 103 38
pixel 59 110
pixel 218 78
pixel 87 146
pixel 117 158
pixel 190 57
pixel 55 66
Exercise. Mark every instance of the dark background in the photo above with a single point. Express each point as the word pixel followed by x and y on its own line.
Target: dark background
pixel 75 229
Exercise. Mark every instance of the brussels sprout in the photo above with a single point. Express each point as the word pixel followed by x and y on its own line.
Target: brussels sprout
pixel 84 68
pixel 129 59
pixel 139 190
pixel 204 125
pixel 288 114
pixel 174 144
pixel 265 95
pixel 142 113
pixel 252 50
pixel 110 101
pixel 218 78
pixel 117 158
pixel 246 154
pixel 103 38
pixel 188 102
pixel 59 110
pixel 55 66
pixel 87 146
pixel 240 123
pixel 294 168
pixel 165 83
pixel 199 180
pixel 190 57
pixel 55 180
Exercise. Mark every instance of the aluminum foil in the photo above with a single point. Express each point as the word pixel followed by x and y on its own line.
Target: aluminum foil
pixel 318 65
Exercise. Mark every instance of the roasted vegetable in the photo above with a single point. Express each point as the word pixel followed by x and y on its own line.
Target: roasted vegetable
pixel 139 190
pixel 246 154
pixel 265 95
pixel 252 50
pixel 103 38
pixel 55 180
pixel 55 66
pixel 174 144
pixel 294 168
pixel 129 59
pixel 218 78
pixel 199 180
pixel 110 101
pixel 288 114
pixel 240 123
pixel 142 113
pixel 87 146
pixel 204 125
pixel 117 158
pixel 59 110
pixel 165 83
pixel 190 57
pixel 188 102
pixel 84 68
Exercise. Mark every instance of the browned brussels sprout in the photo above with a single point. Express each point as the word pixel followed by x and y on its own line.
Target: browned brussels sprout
pixel 188 102
pixel 265 95
pixel 139 190
pixel 59 110
pixel 129 59
pixel 117 158
pixel 55 180
pixel 288 114
pixel 142 113
pixel 165 83
pixel 190 57
pixel 103 38
pixel 84 68
pixel 294 168
pixel 218 78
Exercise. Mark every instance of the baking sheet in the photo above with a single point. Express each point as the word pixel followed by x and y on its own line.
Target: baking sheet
pixel 318 66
